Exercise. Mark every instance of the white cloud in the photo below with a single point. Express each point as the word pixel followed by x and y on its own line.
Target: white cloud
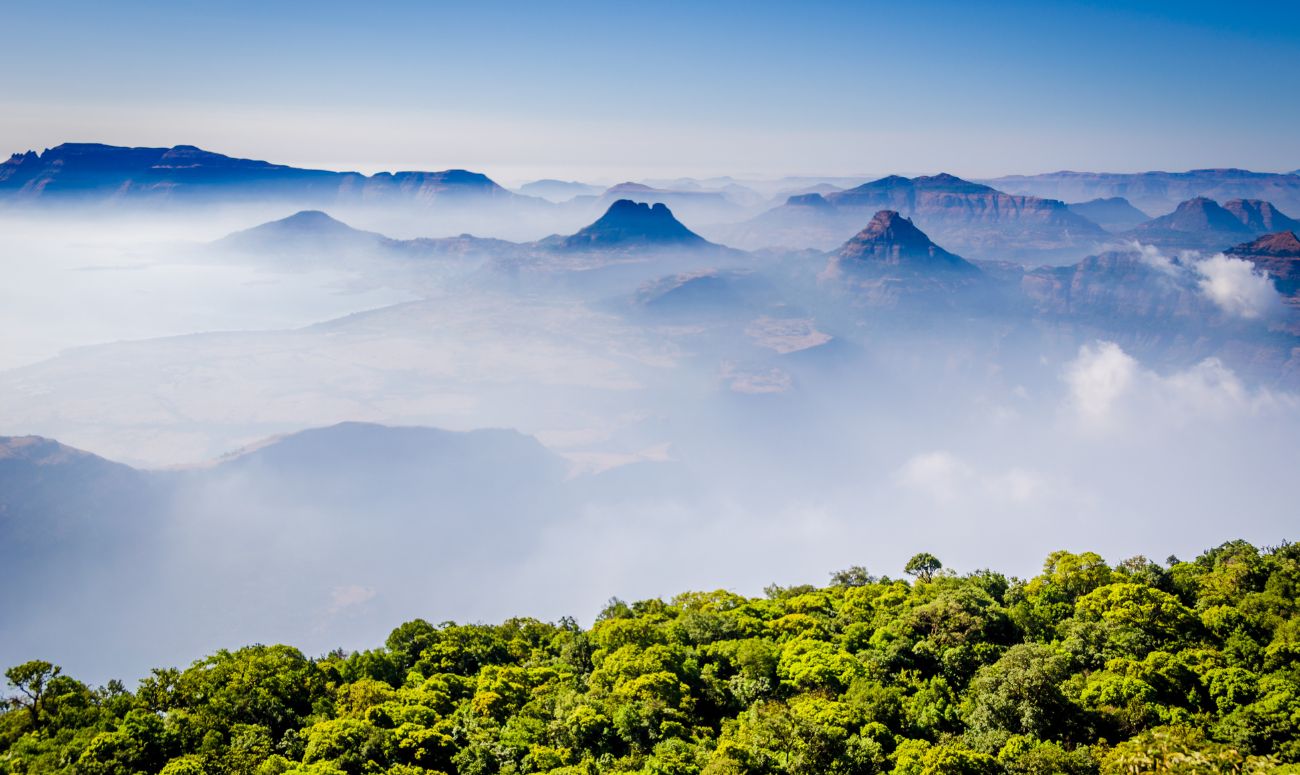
pixel 939 474
pixel 1097 378
pixel 350 596
pixel 946 478
pixel 1108 388
pixel 1234 285
pixel 1237 287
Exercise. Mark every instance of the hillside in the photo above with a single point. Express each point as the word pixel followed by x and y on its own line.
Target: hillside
pixel 1088 667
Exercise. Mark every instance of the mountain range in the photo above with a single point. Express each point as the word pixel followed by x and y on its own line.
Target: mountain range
pixel 92 171
pixel 1203 224
pixel 1157 192
pixel 971 218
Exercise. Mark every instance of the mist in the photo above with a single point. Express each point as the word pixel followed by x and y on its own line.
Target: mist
pixel 683 418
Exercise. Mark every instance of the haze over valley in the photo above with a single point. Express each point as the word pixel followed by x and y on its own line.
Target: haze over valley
pixel 1032 378
pixel 649 389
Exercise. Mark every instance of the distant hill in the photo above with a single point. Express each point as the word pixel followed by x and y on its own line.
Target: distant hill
pixel 313 236
pixel 629 225
pixel 1203 224
pixel 258 540
pixel 558 190
pixel 1112 214
pixel 1158 192
pixel 92 171
pixel 1260 216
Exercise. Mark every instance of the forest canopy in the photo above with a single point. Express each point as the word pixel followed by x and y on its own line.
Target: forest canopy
pixel 1181 666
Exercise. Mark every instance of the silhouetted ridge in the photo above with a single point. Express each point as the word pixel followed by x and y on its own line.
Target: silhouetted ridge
pixel 97 170
pixel 631 224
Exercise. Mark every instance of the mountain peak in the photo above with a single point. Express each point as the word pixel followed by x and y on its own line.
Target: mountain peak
pixel 634 224
pixel 309 230
pixel 894 241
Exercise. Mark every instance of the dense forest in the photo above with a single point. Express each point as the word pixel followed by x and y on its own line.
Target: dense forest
pixel 1186 666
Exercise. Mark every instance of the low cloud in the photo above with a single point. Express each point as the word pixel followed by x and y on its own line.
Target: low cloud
pixel 946 478
pixel 1108 388
pixel 1237 287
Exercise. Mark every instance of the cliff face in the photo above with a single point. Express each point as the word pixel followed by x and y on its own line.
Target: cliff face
pixel 1278 255
pixel 1114 286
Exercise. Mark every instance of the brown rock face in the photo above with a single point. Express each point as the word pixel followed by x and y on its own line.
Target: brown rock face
pixel 892 243
pixel 1278 255
pixel 1114 286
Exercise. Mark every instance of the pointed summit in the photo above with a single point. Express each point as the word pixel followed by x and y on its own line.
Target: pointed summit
pixel 627 224
pixel 892 242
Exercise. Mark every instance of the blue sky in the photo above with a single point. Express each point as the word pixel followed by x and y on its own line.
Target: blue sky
pixel 615 90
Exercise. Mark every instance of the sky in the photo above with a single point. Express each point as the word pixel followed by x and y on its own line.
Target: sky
pixel 611 90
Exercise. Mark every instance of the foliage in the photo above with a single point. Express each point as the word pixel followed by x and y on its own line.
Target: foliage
pixel 1186 667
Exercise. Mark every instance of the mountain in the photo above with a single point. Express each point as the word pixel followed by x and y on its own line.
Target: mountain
pixel 1117 286
pixel 306 230
pixel 891 262
pixel 629 225
pixel 1260 216
pixel 558 190
pixel 973 218
pixel 893 244
pixel 313 236
pixel 1112 214
pixel 92 171
pixel 1160 191
pixel 270 539
pixel 52 494
pixel 1203 224
pixel 1278 255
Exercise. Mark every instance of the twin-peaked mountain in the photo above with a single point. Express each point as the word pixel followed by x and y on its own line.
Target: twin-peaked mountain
pixel 971 218
pixel 631 225
pixel 1203 224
